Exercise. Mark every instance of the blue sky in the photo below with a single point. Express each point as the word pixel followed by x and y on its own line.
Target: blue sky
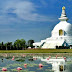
pixel 30 19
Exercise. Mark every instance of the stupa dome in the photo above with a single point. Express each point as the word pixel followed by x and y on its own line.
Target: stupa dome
pixel 63 28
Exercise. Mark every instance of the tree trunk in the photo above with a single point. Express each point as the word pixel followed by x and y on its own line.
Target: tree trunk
pixel 6 47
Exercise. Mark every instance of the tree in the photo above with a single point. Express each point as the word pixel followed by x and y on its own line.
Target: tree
pixel 6 45
pixel 17 43
pixel 30 43
pixel 9 44
pixel 23 44
pixel 0 46
pixel 20 43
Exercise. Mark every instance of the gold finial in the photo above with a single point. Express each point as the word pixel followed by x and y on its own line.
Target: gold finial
pixel 63 8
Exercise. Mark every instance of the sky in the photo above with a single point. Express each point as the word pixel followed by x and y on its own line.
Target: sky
pixel 30 19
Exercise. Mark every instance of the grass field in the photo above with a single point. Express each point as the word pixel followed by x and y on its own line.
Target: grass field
pixel 38 51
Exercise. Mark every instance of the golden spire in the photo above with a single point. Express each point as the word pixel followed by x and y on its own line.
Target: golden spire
pixel 63 8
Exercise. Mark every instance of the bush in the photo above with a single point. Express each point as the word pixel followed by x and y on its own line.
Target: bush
pixel 62 47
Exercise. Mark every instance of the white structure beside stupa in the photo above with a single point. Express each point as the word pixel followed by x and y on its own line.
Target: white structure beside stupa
pixel 61 35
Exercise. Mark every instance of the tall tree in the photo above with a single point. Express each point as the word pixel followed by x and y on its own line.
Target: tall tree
pixel 0 46
pixel 20 43
pixel 9 45
pixel 17 43
pixel 6 45
pixel 23 44
pixel 30 43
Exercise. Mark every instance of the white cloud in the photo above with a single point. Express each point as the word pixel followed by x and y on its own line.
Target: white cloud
pixel 24 10
pixel 44 3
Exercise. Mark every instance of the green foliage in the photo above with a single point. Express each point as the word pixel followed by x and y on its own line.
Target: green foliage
pixel 30 43
pixel 20 60
pixel 19 44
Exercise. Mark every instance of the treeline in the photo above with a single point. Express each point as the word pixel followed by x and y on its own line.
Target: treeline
pixel 19 44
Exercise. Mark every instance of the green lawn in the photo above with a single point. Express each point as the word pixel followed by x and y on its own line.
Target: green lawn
pixel 38 51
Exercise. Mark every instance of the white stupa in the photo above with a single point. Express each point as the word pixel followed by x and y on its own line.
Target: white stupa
pixel 61 35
